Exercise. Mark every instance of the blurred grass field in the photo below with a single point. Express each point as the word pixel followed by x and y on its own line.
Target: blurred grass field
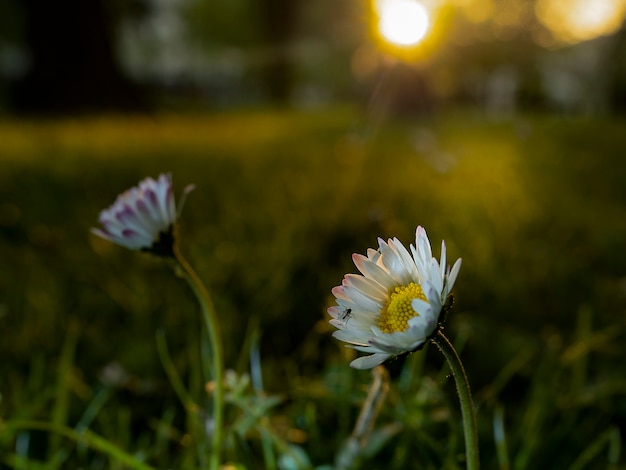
pixel 535 206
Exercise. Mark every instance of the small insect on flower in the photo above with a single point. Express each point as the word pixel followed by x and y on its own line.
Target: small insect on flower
pixel 143 217
pixel 395 305
pixel 346 314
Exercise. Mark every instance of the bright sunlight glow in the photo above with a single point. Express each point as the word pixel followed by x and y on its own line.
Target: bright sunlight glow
pixel 402 22
pixel 580 20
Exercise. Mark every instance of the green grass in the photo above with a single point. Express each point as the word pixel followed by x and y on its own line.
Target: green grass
pixel 535 206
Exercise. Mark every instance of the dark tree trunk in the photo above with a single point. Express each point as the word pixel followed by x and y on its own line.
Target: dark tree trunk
pixel 73 65
pixel 615 73
pixel 280 18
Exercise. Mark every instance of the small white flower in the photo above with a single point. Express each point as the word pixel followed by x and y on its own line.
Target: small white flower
pixel 143 217
pixel 394 305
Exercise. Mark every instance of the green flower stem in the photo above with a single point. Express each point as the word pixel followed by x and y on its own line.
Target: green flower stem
pixel 465 399
pixel 211 323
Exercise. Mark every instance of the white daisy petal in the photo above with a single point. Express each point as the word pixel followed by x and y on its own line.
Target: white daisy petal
pixel 371 311
pixel 452 276
pixel 373 254
pixel 421 307
pixel 422 243
pixel 360 299
pixel 442 263
pixel 372 271
pixel 369 362
pixel 434 276
pixel 393 346
pixel 339 324
pixel 422 326
pixel 369 348
pixel 403 254
pixel 335 312
pixel 348 336
pixel 393 263
pixel 366 286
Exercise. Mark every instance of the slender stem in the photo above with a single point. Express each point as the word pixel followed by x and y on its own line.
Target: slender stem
pixel 352 451
pixel 465 399
pixel 211 323
pixel 172 375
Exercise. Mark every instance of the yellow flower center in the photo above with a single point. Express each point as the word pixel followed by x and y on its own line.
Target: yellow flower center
pixel 397 312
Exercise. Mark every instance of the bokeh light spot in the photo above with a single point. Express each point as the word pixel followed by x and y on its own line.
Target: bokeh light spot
pixel 573 21
pixel 402 22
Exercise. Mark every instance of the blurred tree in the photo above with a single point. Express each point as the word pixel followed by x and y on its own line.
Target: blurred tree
pixel 73 65
pixel 489 57
pixel 223 23
pixel 616 69
pixel 263 30
pixel 279 20
pixel 12 59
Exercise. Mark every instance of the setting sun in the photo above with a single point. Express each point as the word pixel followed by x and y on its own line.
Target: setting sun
pixel 402 22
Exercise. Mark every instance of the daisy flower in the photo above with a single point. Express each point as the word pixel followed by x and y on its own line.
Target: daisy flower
pixel 142 218
pixel 395 304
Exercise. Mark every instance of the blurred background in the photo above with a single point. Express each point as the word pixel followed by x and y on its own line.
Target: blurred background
pixel 148 55
pixel 310 129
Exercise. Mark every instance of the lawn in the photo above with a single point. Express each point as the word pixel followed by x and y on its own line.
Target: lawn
pixel 535 206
